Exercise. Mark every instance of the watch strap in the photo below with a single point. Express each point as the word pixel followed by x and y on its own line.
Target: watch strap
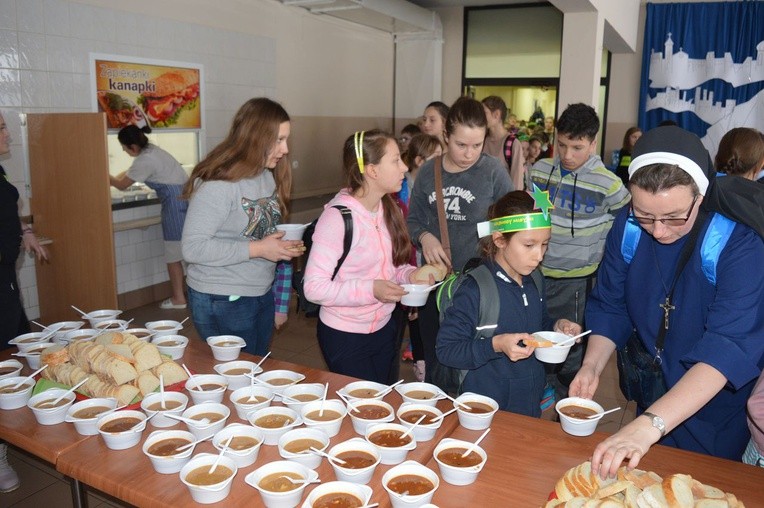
pixel 656 422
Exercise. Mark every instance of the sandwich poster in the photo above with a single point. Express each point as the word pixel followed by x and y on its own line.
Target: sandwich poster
pixel 142 92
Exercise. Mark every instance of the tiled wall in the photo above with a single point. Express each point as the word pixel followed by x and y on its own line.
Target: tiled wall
pixel 139 252
pixel 44 55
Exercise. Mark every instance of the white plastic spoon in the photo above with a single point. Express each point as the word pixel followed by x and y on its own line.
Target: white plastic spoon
pixel 137 427
pixel 598 415
pixel 443 415
pixel 411 429
pixel 465 406
pixel 67 392
pixel 220 455
pixel 184 320
pixel 30 376
pixel 389 388
pixel 472 447
pixel 261 362
pixel 192 443
pixel 201 424
pixel 40 325
pixel 161 391
pixel 198 386
pixel 328 456
pixel 300 482
pixel 323 399
pixel 350 404
pixel 430 288
pixel 82 312
pixel 572 339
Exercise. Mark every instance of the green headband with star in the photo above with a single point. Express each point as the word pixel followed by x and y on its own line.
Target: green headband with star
pixel 523 221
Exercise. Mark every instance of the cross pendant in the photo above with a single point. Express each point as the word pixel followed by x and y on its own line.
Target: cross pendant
pixel 667 307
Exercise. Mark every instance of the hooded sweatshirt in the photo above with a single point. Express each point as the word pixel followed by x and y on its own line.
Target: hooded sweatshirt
pixel 348 302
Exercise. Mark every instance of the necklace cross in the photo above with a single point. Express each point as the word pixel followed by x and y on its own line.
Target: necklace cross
pixel 667 307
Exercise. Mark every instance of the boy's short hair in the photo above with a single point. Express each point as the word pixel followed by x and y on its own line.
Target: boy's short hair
pixel 411 129
pixel 579 121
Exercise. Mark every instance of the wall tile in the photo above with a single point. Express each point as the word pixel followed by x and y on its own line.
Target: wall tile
pixel 8 14
pixel 10 90
pixel 9 43
pixel 29 16
pixel 56 14
pixel 61 89
pixel 80 53
pixel 34 89
pixel 81 96
pixel 32 54
pixel 59 53
pixel 126 26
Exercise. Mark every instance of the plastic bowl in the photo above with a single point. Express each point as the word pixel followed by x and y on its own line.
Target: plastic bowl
pixel 243 457
pixel 420 393
pixel 204 430
pixel 458 475
pixel 208 494
pixel 292 231
pixel 391 455
pixel 292 395
pixel 88 426
pixel 286 499
pixel 209 394
pixel 422 432
pixel 96 316
pixel 164 327
pixel 576 426
pixel 361 475
pixel 62 328
pixel 360 424
pixel 177 404
pixel 311 415
pixel 282 378
pixel 475 421
pixel 17 399
pixel 33 359
pixel 143 334
pixel 553 354
pixel 173 346
pixel 361 492
pixel 111 325
pixel 244 409
pixel 244 368
pixel 410 468
pixel 362 390
pixel 52 416
pixel 168 464
pixel 13 366
pixel 306 458
pixel 86 334
pixel 417 294
pixel 271 435
pixel 28 341
pixel 226 348
pixel 125 439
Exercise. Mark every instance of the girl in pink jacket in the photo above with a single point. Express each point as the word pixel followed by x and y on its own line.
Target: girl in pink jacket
pixel 355 332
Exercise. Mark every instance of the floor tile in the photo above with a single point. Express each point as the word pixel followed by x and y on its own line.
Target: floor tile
pixel 33 480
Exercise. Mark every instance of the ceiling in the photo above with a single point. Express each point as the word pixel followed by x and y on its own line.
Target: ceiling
pixel 433 4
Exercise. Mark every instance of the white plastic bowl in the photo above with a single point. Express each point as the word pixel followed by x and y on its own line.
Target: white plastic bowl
pixel 226 353
pixel 245 457
pixel 88 426
pixel 415 393
pixel 314 391
pixel 347 474
pixel 310 415
pixel 236 381
pixel 346 391
pixel 143 334
pixel 161 421
pixel 308 458
pixel 80 334
pixel 458 475
pixel 475 421
pixel 199 396
pixel 422 432
pixel 62 328
pixel 96 316
pixel 164 327
pixel 553 354
pixel 576 426
pixel 52 416
pixel 203 430
pixel 410 467
pixel 272 435
pixel 360 492
pixel 361 424
pixel 168 464
pixel 33 359
pixel 126 439
pixel 391 455
pixel 111 325
pixel 266 378
pixel 11 364
pixel 27 341
pixel 173 346
pixel 208 494
pixel 17 399
pixel 286 499
pixel 243 410
pixel 417 294
pixel 292 231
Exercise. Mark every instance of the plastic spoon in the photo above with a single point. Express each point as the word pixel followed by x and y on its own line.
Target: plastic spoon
pixel 430 288
pixel 192 443
pixel 261 361
pixel 161 391
pixel 82 312
pixel 598 415
pixel 457 402
pixel 198 386
pixel 40 325
pixel 328 456
pixel 67 392
pixel 472 447
pixel 300 482
pixel 181 323
pixel 349 403
pixel 411 429
pixel 220 455
pixel 202 424
pixel 389 388
pixel 135 428
pixel 323 399
pixel 443 415
pixel 30 376
pixel 572 339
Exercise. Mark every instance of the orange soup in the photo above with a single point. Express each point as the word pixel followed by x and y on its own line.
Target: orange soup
pixel 389 438
pixel 453 457
pixel 411 484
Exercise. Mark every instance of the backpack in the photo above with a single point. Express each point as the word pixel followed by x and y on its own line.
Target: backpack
pixel 507 149
pixel 451 379
pixel 298 278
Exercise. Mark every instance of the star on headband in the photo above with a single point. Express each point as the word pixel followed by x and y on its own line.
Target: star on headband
pixel 541 200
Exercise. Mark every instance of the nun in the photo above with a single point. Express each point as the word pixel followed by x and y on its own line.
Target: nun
pixel 681 284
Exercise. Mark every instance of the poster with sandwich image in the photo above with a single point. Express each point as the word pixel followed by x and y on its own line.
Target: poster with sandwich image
pixel 162 95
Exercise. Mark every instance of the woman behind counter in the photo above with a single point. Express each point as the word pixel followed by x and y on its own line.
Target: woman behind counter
pixel 162 173
pixel 237 196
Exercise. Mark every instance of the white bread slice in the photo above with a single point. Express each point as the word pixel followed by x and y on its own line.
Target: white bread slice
pixel 652 497
pixel 107 338
pixel 121 352
pixel 121 372
pixel 147 382
pixel 146 355
pixel 712 503
pixel 613 488
pixel 126 393
pixel 702 491
pixel 632 492
pixel 54 355
pixel 678 491
pixel 172 372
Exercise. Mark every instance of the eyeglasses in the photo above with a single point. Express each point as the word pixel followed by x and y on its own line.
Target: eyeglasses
pixel 668 221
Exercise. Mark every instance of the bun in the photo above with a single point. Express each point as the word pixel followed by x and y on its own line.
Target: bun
pixel 173 82
pixel 437 270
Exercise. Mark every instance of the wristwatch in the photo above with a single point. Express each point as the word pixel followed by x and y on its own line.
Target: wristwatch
pixel 657 422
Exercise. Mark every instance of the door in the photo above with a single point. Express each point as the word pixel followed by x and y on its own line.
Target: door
pixel 71 204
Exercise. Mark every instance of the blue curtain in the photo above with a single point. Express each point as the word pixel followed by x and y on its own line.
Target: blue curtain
pixel 697 59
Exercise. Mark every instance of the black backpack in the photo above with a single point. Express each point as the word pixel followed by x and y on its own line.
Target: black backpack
pixel 310 308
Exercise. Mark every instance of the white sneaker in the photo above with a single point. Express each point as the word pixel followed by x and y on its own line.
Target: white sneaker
pixel 167 305
pixel 419 370
pixel 9 479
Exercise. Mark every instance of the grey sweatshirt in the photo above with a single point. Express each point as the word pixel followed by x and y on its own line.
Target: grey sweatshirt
pixel 214 242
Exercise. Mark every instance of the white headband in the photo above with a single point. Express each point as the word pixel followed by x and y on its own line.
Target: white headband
pixel 685 164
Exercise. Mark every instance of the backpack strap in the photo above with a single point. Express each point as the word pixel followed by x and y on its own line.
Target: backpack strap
pixel 488 318
pixel 347 217
pixel 717 235
pixel 631 234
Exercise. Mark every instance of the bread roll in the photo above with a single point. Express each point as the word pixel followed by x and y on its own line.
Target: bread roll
pixel 438 271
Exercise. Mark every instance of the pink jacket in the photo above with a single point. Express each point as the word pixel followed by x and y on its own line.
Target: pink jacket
pixel 347 302
pixel 756 414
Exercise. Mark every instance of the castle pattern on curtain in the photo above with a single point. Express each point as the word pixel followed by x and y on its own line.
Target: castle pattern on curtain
pixel 703 67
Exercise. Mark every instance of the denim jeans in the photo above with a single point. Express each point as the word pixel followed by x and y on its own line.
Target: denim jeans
pixel 363 355
pixel 248 317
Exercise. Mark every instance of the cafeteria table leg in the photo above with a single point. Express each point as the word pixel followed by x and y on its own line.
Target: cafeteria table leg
pixel 79 496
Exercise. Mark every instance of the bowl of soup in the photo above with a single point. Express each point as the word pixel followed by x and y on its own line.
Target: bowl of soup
pixel 85 414
pixel 360 460
pixel 79 334
pixel 173 346
pixel 10 368
pixel 278 380
pixel 206 388
pixel 574 415
pixel 28 341
pixel 14 398
pixel 475 411
pixel 389 439
pixel 111 325
pixel 455 468
pixel 410 413
pixel 212 417
pixel 416 294
pixel 143 334
pixel 206 487
pixel 96 316
pixel 369 412
pixel 277 491
pixel 552 354
pixel 244 445
pixel 292 231
pixel 164 327
pixel 296 396
pixel 249 399
pixel 121 430
pixel 296 444
pixel 420 393
pixel 410 484
pixel 326 415
pixel 237 373
pixel 226 348
pixel 338 495
pixel 47 410
pixel 62 328
pixel 274 422
pixel 363 390
pixel 162 449
pixel 174 404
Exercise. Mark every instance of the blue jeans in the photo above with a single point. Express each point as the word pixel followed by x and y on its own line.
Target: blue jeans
pixel 248 317
pixel 367 356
